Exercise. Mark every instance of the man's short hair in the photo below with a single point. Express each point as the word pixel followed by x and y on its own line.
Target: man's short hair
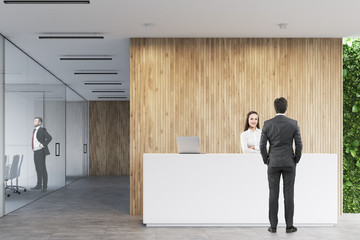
pixel 280 105
pixel 40 119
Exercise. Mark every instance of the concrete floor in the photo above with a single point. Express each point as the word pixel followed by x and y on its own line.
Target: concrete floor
pixel 16 201
pixel 98 208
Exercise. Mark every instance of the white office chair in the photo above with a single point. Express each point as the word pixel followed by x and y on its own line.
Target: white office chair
pixel 18 175
pixel 12 174
pixel 6 171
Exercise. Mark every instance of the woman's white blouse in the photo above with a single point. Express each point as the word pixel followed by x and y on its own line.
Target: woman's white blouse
pixel 251 138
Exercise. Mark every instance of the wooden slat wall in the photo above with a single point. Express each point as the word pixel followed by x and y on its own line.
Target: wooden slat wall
pixel 205 87
pixel 109 138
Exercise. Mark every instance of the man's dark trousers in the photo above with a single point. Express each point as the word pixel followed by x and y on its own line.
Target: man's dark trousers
pixel 288 174
pixel 40 166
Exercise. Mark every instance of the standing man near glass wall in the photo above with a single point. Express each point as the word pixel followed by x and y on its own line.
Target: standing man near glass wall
pixel 40 140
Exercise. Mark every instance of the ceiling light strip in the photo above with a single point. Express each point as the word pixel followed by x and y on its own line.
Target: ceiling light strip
pixel 102 83
pixel 47 2
pixel 112 97
pixel 84 58
pixel 70 37
pixel 108 91
pixel 98 73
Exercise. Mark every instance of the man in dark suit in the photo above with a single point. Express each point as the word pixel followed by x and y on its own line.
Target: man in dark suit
pixel 281 159
pixel 40 140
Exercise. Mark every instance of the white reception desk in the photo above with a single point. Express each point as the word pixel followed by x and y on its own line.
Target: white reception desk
pixel 232 190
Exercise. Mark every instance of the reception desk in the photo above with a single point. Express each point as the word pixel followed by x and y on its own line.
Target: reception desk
pixel 232 190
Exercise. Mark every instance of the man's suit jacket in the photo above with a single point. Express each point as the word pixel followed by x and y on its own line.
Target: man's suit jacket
pixel 280 131
pixel 44 138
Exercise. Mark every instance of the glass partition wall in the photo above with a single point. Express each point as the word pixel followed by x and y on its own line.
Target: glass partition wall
pixel 76 144
pixel 2 138
pixel 35 131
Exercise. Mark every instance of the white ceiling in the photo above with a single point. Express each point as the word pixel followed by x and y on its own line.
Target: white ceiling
pixel 118 21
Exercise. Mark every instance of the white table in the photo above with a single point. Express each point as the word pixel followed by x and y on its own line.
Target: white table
pixel 232 190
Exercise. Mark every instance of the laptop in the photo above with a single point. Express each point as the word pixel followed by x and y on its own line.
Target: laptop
pixel 190 145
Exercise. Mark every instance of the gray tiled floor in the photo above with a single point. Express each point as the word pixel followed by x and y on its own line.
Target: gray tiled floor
pixel 98 208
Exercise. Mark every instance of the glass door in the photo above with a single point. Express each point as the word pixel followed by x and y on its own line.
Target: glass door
pixel 54 121
pixel 76 145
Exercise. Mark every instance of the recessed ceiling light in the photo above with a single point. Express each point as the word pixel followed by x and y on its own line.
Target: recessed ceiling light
pixel 111 97
pixel 148 26
pixel 283 25
pixel 70 37
pixel 108 91
pixel 47 2
pixel 102 83
pixel 95 72
pixel 96 58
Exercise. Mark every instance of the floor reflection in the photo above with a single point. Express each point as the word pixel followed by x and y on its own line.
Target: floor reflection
pixel 16 200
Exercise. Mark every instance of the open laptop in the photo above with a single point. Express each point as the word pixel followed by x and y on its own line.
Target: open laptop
pixel 190 145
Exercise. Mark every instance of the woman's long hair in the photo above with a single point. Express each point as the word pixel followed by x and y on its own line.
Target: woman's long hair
pixel 247 125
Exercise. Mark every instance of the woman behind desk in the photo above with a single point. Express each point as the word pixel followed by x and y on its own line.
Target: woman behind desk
pixel 250 138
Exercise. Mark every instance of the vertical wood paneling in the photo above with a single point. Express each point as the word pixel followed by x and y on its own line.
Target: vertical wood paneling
pixel 124 139
pixel 109 138
pixel 97 139
pixel 205 87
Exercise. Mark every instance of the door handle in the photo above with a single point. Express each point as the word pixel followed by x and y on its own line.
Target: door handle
pixel 57 149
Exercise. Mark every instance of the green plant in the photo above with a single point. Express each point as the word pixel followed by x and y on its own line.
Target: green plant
pixel 351 125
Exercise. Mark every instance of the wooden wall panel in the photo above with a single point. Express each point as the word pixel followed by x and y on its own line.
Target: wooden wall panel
pixel 109 138
pixel 205 87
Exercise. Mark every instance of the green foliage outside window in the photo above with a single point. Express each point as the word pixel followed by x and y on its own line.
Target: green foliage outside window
pixel 351 124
